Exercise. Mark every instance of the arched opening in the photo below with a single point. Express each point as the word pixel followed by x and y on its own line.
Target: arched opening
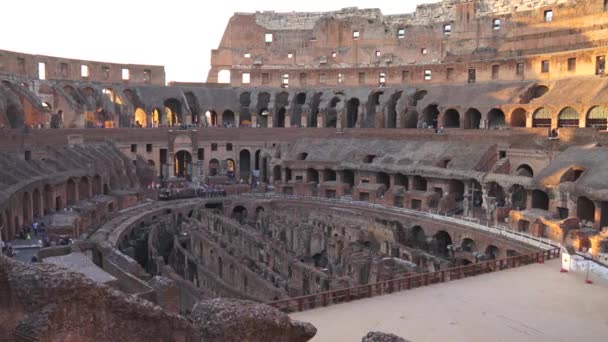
pixel 313 115
pixel 417 237
pixel 183 164
pixel 211 116
pixel 230 168
pixel 96 185
pixel 331 116
pixel 223 76
pixel 262 109
pixel 195 109
pixel 585 209
pixel 312 175
pixel 349 178
pixel 442 243
pixel 157 117
pixel 519 197
pixel 401 180
pixel 214 167
pixel 48 199
pixel 329 175
pixel 15 116
pixel 245 112
pixel 540 200
pixel 541 118
pixel 568 117
pixel 141 118
pixel 36 202
pixel 244 164
pixel 518 118
pixel 239 213
pixel 173 111
pixel 352 112
pixel 524 170
pixel 281 117
pixel 477 193
pixel 468 245
pixel 83 188
pixel 472 119
pixel 456 187
pixel 497 192
pixel 228 118
pixel 571 175
pixel 451 119
pixel 410 119
pixel 431 115
pixel 419 183
pixel 106 189
pixel 276 174
pixel 384 179
pixel 492 252
pixel 373 105
pixel 70 192
pixel 496 119
pixel 391 110
pixel 597 117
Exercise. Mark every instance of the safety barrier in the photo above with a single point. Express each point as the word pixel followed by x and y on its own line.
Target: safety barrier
pixel 323 299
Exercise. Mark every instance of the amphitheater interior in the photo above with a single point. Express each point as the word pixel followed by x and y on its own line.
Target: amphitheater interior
pixel 329 155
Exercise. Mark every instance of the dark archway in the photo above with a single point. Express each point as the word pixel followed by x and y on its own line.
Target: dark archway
pixel 352 112
pixel 419 183
pixel 472 119
pixel 519 197
pixel 173 109
pixel 244 164
pixel 257 159
pixel 276 174
pixel 410 119
pixel 524 170
pixel 281 117
pixel 492 252
pixel 496 119
pixel 239 213
pixel 383 178
pixel 431 115
pixel 518 118
pixel 183 164
pixel 585 209
pixel 442 243
pixel 331 116
pixel 71 192
pixel 451 119
pixel 83 188
pixel 418 237
pixel 15 117
pixel 214 167
pixel 228 119
pixel 540 200
pixel 468 245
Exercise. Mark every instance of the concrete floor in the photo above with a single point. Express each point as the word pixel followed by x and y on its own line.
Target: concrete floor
pixel 533 303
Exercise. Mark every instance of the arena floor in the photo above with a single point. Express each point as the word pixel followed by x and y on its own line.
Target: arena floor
pixel 533 303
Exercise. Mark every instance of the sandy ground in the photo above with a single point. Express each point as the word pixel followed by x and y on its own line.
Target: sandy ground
pixel 533 303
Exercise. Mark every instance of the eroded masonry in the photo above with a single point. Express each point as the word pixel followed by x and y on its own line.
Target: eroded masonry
pixel 328 152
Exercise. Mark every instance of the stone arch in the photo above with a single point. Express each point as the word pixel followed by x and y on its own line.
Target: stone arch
pixel 391 110
pixel 212 118
pixel 96 185
pixel 183 164
pixel 472 119
pixel 281 116
pixel 519 197
pixel 157 117
pixel 541 117
pixel 214 167
pixel 568 117
pixel 524 170
pixel 15 116
pixel 372 107
pixel 468 245
pixel 518 117
pixel 418 237
pixel 141 118
pixel 492 252
pixel 419 183
pixel 431 115
pixel 540 200
pixel 70 192
pixel 244 164
pixel 173 110
pixel 352 112
pixel 228 118
pixel 497 192
pixel 442 243
pixel 83 188
pixel 313 115
pixel 193 105
pixel 410 119
pixel 348 177
pixel 47 199
pixel 496 119
pixel 312 175
pixel 585 209
pixel 451 118
pixel 597 117
pixel 401 180
pixel 331 116
pixel 276 173
pixel 239 213
pixel 383 178
pixel 456 187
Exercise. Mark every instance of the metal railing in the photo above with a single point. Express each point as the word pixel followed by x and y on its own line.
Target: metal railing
pixel 538 242
pixel 322 299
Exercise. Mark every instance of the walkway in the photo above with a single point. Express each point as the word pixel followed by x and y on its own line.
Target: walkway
pixel 529 304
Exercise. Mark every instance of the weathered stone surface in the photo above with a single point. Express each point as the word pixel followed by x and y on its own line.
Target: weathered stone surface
pixel 376 336
pixel 232 320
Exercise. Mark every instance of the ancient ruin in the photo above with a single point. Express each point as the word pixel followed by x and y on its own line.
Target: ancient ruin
pixel 329 157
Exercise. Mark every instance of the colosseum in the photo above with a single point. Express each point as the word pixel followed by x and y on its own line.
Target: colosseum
pixel 436 174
